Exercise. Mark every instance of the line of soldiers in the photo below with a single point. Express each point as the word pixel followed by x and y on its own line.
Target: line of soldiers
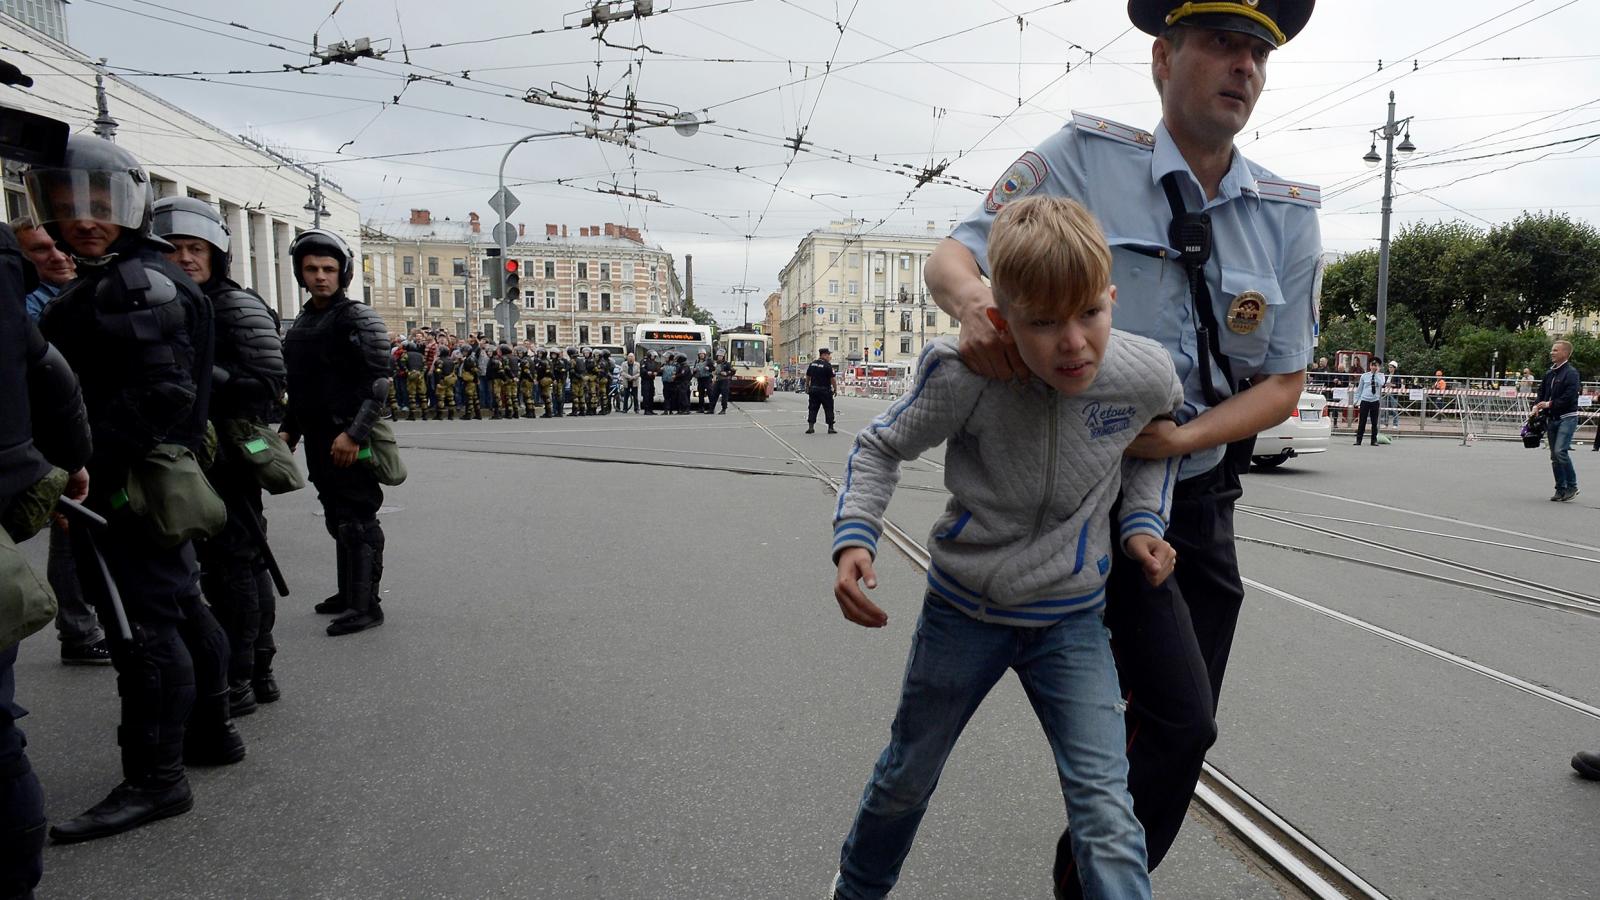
pixel 519 380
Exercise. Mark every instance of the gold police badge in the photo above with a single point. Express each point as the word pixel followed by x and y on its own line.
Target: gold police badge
pixel 1246 311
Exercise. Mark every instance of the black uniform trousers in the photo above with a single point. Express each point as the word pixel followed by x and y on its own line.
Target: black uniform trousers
pixel 1171 645
pixel 647 386
pixel 721 389
pixel 177 650
pixel 22 822
pixel 233 567
pixel 350 499
pixel 819 397
pixel 1369 410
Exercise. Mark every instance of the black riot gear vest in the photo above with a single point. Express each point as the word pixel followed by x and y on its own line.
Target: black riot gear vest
pixel 250 372
pixel 338 368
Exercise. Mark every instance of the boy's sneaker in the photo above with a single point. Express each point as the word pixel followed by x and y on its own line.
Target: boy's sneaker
pixel 95 654
pixel 1568 494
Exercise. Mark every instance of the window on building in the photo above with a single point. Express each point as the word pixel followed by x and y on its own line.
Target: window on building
pixel 905 262
pixel 530 332
pixel 411 299
pixel 433 265
pixel 833 316
pixel 833 288
pixel 931 319
pixel 530 299
pixel 366 263
pixel 458 267
pixel 605 334
pixel 905 321
pixel 550 298
pixel 550 269
pixel 855 317
pixel 954 323
pixel 605 304
pixel 655 301
pixel 461 329
pixel 459 301
pixel 408 265
pixel 549 334
pixel 854 288
pixel 652 273
pixel 583 334
pixel 877 317
pixel 583 271
pixel 583 300
pixel 627 271
pixel 433 298
pixel 488 301
pixel 855 345
pixel 411 325
pixel 605 275
pixel 905 345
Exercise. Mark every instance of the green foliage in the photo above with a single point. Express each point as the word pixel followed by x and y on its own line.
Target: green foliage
pixel 1350 285
pixel 1436 269
pixel 1537 265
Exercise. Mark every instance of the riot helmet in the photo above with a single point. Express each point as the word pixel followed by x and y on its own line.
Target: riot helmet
pixel 189 217
pixel 587 350
pixel 96 180
pixel 321 242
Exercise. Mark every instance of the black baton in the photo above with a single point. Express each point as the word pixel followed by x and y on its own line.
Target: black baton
pixel 88 516
pixel 266 553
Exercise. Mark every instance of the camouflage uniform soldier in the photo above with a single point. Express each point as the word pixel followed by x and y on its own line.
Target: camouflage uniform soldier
pixel 542 372
pixel 444 386
pixel 560 368
pixel 602 382
pixel 467 374
pixel 581 365
pixel 526 385
pixel 416 384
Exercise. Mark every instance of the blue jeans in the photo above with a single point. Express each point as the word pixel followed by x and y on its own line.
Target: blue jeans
pixel 1070 678
pixel 1560 434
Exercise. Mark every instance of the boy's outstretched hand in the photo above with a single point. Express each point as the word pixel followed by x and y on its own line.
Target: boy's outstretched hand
pixel 855 565
pixel 1152 554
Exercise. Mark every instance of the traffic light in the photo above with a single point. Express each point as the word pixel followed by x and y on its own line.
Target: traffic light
pixel 492 272
pixel 513 282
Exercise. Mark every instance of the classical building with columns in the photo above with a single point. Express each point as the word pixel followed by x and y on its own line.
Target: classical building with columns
pixel 263 195
pixel 859 292
pixel 594 286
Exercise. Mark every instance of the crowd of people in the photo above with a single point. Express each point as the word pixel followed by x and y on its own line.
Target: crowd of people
pixel 149 401
pixel 438 375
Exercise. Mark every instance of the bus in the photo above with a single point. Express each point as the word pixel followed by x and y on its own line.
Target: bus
pixel 676 335
pixel 751 355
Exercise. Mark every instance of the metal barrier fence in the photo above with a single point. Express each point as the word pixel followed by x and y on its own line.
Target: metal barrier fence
pixel 1468 408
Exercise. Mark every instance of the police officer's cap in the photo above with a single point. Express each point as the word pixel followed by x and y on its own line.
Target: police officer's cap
pixel 1273 21
pixel 823 351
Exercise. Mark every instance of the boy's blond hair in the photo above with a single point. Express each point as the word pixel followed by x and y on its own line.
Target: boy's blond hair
pixel 1047 255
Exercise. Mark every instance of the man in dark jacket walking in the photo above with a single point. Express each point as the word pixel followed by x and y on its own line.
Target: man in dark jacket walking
pixel 1558 399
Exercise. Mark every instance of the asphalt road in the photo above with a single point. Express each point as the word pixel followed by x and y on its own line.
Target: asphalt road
pixel 612 668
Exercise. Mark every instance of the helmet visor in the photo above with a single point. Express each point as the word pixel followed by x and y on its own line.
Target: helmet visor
pixel 61 195
pixel 172 222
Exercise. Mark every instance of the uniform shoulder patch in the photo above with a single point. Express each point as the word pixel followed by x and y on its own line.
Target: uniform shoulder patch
pixel 1024 176
pixel 1290 192
pixel 1126 134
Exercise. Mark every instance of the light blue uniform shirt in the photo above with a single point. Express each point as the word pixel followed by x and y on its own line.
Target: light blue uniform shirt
pixel 40 296
pixel 1265 239
pixel 1368 387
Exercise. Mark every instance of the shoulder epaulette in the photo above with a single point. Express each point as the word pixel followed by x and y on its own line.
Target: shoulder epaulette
pixel 1290 192
pixel 1136 137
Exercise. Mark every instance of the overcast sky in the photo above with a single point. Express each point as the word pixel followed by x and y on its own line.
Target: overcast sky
pixel 913 83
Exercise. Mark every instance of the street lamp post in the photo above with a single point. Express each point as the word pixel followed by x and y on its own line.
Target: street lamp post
pixel 1406 148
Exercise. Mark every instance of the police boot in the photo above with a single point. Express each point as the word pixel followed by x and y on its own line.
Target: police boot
pixel 359 588
pixel 411 413
pixel 451 414
pixel 241 697
pixel 263 683
pixel 128 806
pixel 336 603
pixel 496 413
pixel 210 738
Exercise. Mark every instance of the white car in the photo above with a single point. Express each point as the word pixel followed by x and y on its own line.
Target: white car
pixel 1307 430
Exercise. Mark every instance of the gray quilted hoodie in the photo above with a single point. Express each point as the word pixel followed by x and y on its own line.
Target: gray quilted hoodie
pixel 1033 475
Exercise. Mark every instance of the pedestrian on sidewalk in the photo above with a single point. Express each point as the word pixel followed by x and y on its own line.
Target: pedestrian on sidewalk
pixel 1369 391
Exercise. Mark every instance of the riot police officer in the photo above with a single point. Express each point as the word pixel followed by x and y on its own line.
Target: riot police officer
pixel 338 381
pixel 43 425
pixel 560 371
pixel 416 365
pixel 649 371
pixel 137 331
pixel 703 373
pixel 466 369
pixel 821 384
pixel 602 381
pixel 581 366
pixel 542 374
pixel 722 385
pixel 247 386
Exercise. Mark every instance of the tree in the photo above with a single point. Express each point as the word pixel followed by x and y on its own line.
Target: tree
pixel 1350 285
pixel 1436 269
pixel 1540 264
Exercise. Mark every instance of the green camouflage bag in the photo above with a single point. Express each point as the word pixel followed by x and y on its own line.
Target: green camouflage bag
pixel 29 511
pixel 26 604
pixel 382 454
pixel 171 497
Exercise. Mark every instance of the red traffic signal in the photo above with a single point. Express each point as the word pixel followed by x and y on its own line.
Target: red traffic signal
pixel 511 266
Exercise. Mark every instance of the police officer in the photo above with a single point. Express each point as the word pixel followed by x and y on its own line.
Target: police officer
pixel 603 377
pixel 703 373
pixel 444 386
pixel 1249 321
pixel 466 367
pixel 527 383
pixel 649 371
pixel 416 366
pixel 42 424
pixel 542 377
pixel 138 333
pixel 581 364
pixel 722 386
pixel 560 371
pixel 338 380
pixel 820 388
pixel 247 386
